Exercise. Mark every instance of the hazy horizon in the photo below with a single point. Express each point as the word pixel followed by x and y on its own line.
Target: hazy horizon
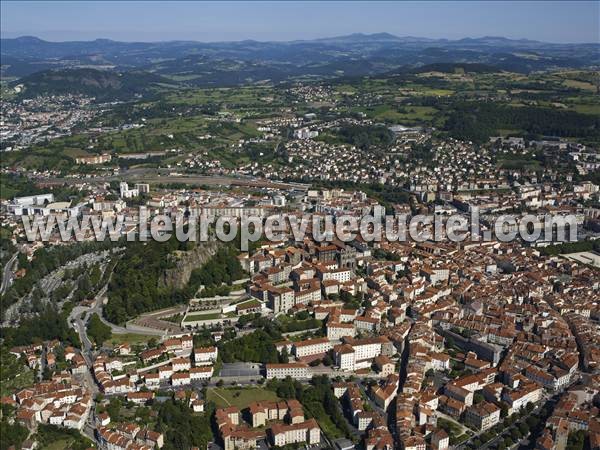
pixel 101 38
pixel 552 21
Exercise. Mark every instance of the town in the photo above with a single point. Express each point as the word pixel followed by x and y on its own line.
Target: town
pixel 140 340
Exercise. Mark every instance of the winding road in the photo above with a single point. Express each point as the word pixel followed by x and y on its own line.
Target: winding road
pixel 7 273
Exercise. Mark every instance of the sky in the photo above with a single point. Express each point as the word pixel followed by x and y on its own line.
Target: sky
pixel 550 21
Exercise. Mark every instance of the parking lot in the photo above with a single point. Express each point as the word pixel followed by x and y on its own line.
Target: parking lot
pixel 240 369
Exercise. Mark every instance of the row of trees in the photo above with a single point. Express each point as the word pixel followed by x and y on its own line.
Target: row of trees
pixel 571 247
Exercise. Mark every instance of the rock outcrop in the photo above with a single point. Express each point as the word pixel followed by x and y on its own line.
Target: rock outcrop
pixel 185 262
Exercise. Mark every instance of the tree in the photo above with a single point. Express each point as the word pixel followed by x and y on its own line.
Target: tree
pixel 302 315
pixel 114 408
pixel 182 428
pixel 254 347
pixel 283 355
pixel 576 440
pixel 98 331
pixel 12 434
pixel 529 407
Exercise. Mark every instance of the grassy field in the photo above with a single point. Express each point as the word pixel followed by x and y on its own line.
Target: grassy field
pixel 577 84
pixel 240 397
pixel 408 114
pixel 587 108
pixel 130 338
pixel 194 317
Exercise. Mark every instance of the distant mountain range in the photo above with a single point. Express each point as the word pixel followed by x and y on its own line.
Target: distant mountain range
pixel 232 63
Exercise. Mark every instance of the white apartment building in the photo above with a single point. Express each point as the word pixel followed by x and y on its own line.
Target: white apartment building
pixel 180 379
pixel 311 347
pixel 344 357
pixel 482 416
pixel 367 348
pixel 201 373
pixel 341 275
pixel 519 398
pixel 180 364
pixel 294 370
pixel 369 324
pixel 307 296
pixel 337 331
pixel 308 432
pixel 165 372
pixel 280 299
pixel 440 361
pixel 205 355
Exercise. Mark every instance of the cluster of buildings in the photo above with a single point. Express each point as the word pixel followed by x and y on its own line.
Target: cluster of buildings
pixel 62 401
pixel 372 422
pixel 286 421
pixel 30 121
pixel 128 436
pixel 501 339
pixel 575 411
pixel 174 362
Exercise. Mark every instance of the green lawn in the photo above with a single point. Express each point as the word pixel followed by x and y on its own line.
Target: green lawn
pixel 195 317
pixel 130 338
pixel 249 304
pixel 240 397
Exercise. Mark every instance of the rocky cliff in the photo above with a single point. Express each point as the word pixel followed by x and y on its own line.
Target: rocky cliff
pixel 179 276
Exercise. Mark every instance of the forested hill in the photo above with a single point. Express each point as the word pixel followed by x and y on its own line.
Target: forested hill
pixel 136 285
pixel 102 84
